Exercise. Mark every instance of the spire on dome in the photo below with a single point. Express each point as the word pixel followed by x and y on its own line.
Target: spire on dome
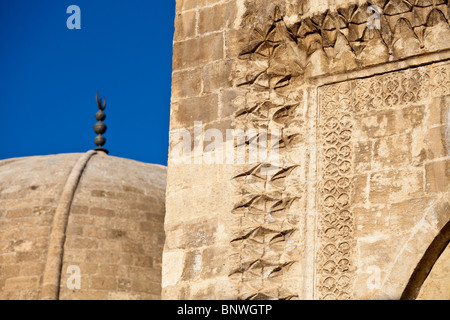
pixel 100 127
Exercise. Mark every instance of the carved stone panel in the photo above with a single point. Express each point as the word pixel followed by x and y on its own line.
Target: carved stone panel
pixel 368 130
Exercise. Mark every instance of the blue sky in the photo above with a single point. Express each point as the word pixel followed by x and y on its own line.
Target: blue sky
pixel 49 76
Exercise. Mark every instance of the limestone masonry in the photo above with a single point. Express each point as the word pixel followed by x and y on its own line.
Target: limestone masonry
pixel 113 230
pixel 360 92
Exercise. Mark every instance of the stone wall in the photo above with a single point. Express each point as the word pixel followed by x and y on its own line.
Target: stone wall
pixel 392 194
pixel 201 91
pixel 28 199
pixel 361 188
pixel 112 231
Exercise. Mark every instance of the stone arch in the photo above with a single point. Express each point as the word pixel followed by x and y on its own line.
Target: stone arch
pixel 416 258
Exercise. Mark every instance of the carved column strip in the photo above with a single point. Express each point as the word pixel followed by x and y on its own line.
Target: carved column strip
pixel 266 239
pixel 335 263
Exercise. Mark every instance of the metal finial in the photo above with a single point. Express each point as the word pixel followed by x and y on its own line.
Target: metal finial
pixel 100 127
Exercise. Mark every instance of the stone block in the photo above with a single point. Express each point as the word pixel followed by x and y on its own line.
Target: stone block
pixel 103 283
pixel 198 51
pixel 363 156
pixel 187 4
pixel 216 75
pixel 437 176
pixel 395 186
pixel 18 213
pixel 21 283
pixel 185 112
pixel 392 151
pixel 216 17
pixel 185 25
pixel 187 84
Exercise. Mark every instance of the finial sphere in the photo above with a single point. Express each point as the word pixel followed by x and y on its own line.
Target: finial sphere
pixel 100 140
pixel 100 116
pixel 100 128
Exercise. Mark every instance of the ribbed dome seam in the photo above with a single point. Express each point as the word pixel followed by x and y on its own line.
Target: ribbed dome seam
pixel 53 265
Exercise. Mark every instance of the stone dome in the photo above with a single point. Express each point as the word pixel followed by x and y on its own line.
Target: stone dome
pixel 81 226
